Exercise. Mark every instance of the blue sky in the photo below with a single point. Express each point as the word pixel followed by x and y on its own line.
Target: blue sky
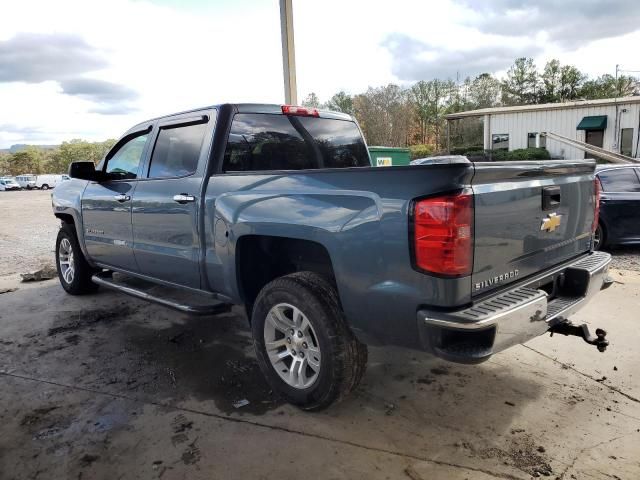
pixel 90 69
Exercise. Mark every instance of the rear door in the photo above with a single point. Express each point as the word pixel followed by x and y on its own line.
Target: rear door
pixel 620 203
pixel 106 205
pixel 529 216
pixel 166 203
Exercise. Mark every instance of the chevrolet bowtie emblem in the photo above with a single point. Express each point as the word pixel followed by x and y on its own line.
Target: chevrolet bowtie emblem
pixel 551 222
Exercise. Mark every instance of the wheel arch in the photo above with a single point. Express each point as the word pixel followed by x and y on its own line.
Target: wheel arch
pixel 69 218
pixel 263 258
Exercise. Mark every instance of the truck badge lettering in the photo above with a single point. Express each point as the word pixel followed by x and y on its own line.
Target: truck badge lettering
pixel 551 222
pixel 496 280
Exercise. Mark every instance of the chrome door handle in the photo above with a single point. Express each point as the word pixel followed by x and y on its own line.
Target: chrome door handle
pixel 184 198
pixel 122 198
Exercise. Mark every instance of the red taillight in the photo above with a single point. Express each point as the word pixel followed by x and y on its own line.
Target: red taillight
pixel 443 237
pixel 301 111
pixel 596 204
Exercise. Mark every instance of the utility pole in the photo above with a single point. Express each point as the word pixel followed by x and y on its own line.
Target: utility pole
pixel 288 53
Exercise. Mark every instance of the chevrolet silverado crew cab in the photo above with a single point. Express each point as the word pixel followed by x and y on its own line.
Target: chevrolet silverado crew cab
pixel 278 208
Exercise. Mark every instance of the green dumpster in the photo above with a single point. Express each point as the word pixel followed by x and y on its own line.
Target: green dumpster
pixel 389 156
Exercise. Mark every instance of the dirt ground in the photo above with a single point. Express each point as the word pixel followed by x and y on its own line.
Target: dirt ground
pixel 108 387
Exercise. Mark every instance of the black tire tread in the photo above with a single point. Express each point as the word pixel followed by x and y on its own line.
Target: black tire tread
pixel 350 359
pixel 82 283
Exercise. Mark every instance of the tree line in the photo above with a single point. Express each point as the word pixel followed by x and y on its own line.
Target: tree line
pixel 393 115
pixel 33 159
pixel 398 116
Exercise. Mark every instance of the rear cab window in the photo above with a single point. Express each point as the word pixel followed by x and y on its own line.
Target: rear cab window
pixel 620 180
pixel 263 141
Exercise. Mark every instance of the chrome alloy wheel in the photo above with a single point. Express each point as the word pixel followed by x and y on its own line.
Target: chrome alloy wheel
pixel 292 345
pixel 66 260
pixel 597 238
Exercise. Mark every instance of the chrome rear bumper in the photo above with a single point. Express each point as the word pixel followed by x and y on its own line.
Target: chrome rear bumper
pixel 513 316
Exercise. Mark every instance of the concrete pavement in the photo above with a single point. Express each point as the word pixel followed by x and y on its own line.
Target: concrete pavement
pixel 108 387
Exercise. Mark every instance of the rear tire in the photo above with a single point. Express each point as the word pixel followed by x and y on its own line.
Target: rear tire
pixel 327 362
pixel 74 272
pixel 44 187
pixel 599 237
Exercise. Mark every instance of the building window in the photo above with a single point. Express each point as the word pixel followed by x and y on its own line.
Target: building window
pixel 626 141
pixel 531 140
pixel 500 141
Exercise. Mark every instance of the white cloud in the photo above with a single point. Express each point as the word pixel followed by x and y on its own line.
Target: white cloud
pixel 140 59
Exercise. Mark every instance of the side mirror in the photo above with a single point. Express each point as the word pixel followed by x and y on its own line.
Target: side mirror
pixel 83 170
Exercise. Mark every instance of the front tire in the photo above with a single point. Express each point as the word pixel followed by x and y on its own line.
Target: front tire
pixel 74 272
pixel 304 347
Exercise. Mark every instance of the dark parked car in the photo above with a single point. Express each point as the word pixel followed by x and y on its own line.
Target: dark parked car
pixel 619 222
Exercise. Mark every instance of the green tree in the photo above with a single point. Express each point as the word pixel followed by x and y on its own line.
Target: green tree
pixel 430 101
pixel 29 160
pixel 570 81
pixel 484 91
pixel 77 151
pixel 4 163
pixel 606 86
pixel 550 80
pixel 340 102
pixel 521 84
pixel 384 114
pixel 559 83
pixel 311 101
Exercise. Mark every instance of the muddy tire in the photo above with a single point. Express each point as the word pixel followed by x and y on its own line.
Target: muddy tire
pixel 599 237
pixel 305 349
pixel 74 272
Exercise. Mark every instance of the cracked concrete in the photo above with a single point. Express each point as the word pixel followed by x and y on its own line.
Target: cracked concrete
pixel 92 386
pixel 108 387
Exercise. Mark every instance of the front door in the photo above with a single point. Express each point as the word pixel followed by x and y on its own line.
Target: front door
pixel 166 232
pixel 106 205
pixel 595 138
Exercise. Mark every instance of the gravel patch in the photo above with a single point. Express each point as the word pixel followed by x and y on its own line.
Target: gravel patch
pixel 625 258
pixel 28 233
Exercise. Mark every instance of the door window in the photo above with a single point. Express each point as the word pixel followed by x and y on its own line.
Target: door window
pixel 620 180
pixel 626 141
pixel 124 163
pixel 177 151
pixel 594 137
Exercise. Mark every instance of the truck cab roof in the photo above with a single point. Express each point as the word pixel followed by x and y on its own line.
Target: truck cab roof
pixel 270 108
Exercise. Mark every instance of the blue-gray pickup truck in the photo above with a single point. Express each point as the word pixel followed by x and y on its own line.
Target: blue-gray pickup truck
pixel 277 208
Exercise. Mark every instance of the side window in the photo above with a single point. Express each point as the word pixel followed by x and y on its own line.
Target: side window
pixel 177 151
pixel 531 140
pixel 620 180
pixel 500 141
pixel 124 163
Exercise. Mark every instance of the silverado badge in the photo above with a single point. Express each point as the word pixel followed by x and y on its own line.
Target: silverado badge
pixel 551 222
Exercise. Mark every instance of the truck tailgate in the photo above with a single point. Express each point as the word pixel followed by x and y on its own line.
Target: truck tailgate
pixel 529 216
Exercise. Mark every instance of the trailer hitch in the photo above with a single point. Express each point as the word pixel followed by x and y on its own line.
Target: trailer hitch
pixel 568 328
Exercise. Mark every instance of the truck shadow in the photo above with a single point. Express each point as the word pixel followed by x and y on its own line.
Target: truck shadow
pixel 112 343
pixel 407 402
